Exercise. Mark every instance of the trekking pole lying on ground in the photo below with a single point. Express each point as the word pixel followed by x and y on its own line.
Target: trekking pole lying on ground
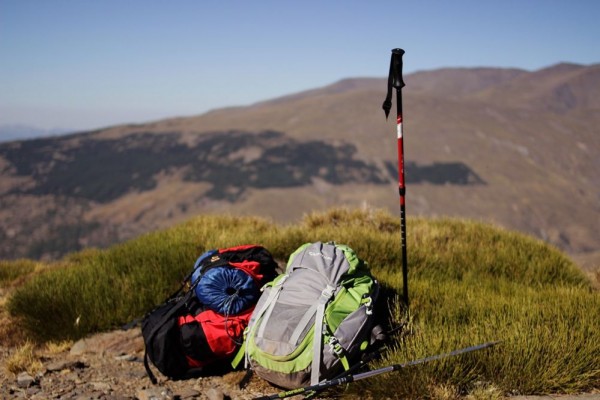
pixel 357 377
pixel 395 81
pixel 364 360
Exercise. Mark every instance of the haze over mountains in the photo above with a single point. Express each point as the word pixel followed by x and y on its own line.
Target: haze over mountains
pixel 517 148
pixel 9 132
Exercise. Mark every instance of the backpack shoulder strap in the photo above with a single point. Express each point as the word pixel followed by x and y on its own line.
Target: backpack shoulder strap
pixel 318 338
pixel 239 356
pixel 148 370
pixel 269 305
pixel 155 329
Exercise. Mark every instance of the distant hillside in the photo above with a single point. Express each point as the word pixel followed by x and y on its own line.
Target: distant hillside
pixel 517 148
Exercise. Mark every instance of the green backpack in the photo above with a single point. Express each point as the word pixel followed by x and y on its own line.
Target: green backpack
pixel 314 320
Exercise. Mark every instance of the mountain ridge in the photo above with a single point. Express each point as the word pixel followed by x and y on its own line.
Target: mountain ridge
pixel 480 143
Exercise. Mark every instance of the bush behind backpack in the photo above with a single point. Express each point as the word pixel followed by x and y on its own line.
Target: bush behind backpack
pixel 314 319
pixel 183 335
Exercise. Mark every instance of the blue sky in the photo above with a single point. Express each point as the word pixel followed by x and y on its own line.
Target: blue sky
pixel 83 64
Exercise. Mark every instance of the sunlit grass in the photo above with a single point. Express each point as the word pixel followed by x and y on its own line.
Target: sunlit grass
pixel 12 270
pixel 469 283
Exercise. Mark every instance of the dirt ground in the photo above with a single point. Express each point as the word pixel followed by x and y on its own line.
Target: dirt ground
pixel 110 366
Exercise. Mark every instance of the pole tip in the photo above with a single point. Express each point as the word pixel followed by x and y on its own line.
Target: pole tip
pixel 398 51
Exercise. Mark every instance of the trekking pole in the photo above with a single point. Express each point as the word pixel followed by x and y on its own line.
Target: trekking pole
pixel 395 81
pixel 353 378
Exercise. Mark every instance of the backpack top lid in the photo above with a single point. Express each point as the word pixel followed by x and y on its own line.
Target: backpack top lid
pixel 330 260
pixel 254 259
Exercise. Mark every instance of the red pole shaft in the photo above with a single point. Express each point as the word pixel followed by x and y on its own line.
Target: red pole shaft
pixel 401 186
pixel 402 192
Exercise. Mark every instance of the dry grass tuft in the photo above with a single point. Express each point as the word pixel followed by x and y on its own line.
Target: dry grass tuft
pixel 58 347
pixel 444 392
pixel 23 359
pixel 485 392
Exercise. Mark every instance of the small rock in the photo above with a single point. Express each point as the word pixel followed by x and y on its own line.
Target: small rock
pixel 79 348
pixel 154 394
pixel 60 365
pixel 32 391
pixel 214 394
pixel 138 374
pixel 126 357
pixel 24 380
pixel 102 386
pixel 186 393
pixel 70 376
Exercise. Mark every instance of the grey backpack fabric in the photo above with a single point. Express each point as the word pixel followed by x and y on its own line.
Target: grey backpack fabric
pixel 313 320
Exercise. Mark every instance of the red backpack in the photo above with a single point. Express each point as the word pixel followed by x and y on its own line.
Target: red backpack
pixel 204 324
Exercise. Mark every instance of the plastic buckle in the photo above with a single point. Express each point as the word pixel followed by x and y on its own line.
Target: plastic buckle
pixel 328 292
pixel 335 346
pixel 368 303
